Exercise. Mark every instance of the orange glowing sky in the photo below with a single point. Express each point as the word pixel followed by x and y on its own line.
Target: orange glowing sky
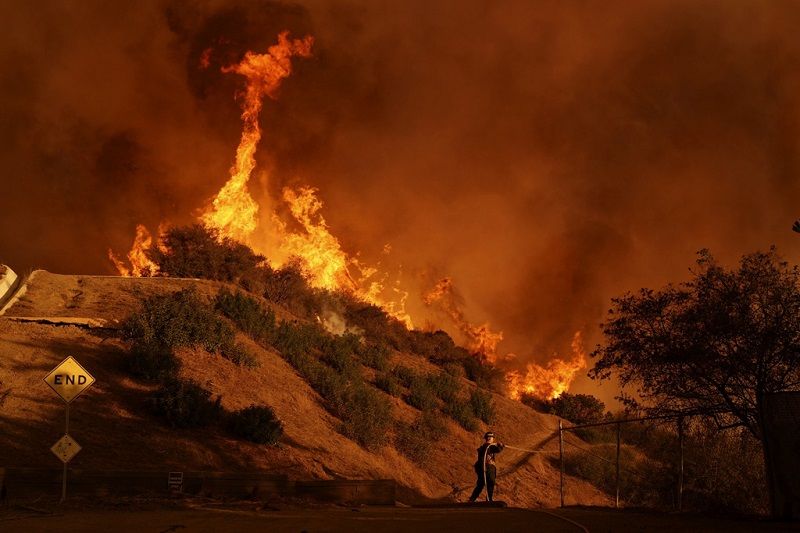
pixel 543 156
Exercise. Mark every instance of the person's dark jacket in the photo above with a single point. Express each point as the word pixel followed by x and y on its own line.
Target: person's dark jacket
pixel 490 450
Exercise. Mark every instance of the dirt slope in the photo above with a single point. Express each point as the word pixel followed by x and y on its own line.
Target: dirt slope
pixel 112 424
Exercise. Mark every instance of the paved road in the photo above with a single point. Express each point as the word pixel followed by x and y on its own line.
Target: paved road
pixel 382 520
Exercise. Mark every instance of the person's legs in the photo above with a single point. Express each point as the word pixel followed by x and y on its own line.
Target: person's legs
pixel 478 485
pixel 491 475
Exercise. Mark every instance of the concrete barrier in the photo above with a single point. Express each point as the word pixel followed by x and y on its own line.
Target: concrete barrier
pixel 8 280
pixel 26 483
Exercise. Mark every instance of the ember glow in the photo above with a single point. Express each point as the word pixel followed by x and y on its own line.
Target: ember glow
pixel 551 380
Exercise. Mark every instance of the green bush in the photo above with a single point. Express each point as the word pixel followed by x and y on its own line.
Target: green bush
pixel 240 355
pixel 578 408
pixel 406 376
pixel 482 405
pixel 330 384
pixel 389 384
pixel 444 386
pixel 484 374
pixel 248 315
pixel 461 411
pixel 415 440
pixel 178 319
pixel 421 395
pixel 198 252
pixel 152 361
pixel 374 355
pixel 455 369
pixel 338 352
pixel 366 416
pixel 288 287
pixel 185 404
pixel 256 423
pixel 377 325
pixel 298 338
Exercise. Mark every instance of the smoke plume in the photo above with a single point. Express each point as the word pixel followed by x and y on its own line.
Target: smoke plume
pixel 545 156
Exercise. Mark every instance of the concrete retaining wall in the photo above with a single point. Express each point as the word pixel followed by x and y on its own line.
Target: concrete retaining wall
pixel 26 483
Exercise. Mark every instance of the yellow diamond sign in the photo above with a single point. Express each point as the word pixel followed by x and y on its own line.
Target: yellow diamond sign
pixel 66 448
pixel 69 379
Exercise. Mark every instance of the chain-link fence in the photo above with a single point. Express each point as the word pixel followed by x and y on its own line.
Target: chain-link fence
pixel 669 462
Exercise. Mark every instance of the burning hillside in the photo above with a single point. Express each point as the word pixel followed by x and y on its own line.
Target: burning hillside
pixel 234 214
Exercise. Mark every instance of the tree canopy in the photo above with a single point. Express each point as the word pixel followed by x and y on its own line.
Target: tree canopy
pixel 714 345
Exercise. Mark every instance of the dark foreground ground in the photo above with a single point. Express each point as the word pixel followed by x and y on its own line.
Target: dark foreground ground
pixel 201 517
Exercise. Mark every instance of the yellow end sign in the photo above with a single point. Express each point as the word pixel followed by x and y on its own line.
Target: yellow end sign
pixel 69 379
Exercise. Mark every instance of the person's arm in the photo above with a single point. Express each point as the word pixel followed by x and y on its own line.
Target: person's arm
pixel 497 448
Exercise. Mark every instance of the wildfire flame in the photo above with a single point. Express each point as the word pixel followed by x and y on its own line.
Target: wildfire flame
pixel 140 264
pixel 550 381
pixel 233 211
pixel 321 252
pixel 234 214
pixel 480 338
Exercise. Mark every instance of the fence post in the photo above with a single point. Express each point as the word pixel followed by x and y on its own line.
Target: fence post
pixel 680 464
pixel 619 430
pixel 561 460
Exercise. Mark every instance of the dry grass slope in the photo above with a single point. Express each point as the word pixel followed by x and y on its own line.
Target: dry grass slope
pixel 115 429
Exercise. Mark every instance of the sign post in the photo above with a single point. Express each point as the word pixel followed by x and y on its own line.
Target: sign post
pixel 69 380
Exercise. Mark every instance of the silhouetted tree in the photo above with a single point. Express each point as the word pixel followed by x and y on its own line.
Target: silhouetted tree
pixel 715 345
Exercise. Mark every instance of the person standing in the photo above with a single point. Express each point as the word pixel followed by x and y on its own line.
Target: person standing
pixel 485 466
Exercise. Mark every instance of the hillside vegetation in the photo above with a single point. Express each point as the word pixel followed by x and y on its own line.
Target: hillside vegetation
pixel 238 373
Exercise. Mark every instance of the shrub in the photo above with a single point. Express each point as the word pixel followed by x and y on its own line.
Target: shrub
pixel 404 375
pixel 455 369
pixel 240 355
pixel 330 384
pixel 434 345
pixel 178 319
pixel 338 352
pixel 198 252
pixel 185 404
pixel 293 338
pixel 461 411
pixel 366 416
pixel 444 386
pixel 389 384
pixel 484 374
pixel 248 315
pixel 255 281
pixel 482 405
pixel 288 287
pixel 578 408
pixel 421 394
pixel 374 355
pixel 256 423
pixel 415 440
pixel 152 361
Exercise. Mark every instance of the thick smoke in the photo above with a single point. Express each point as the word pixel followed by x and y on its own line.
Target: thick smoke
pixel 544 155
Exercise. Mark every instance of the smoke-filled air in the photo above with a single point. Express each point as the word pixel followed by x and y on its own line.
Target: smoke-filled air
pixel 498 170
